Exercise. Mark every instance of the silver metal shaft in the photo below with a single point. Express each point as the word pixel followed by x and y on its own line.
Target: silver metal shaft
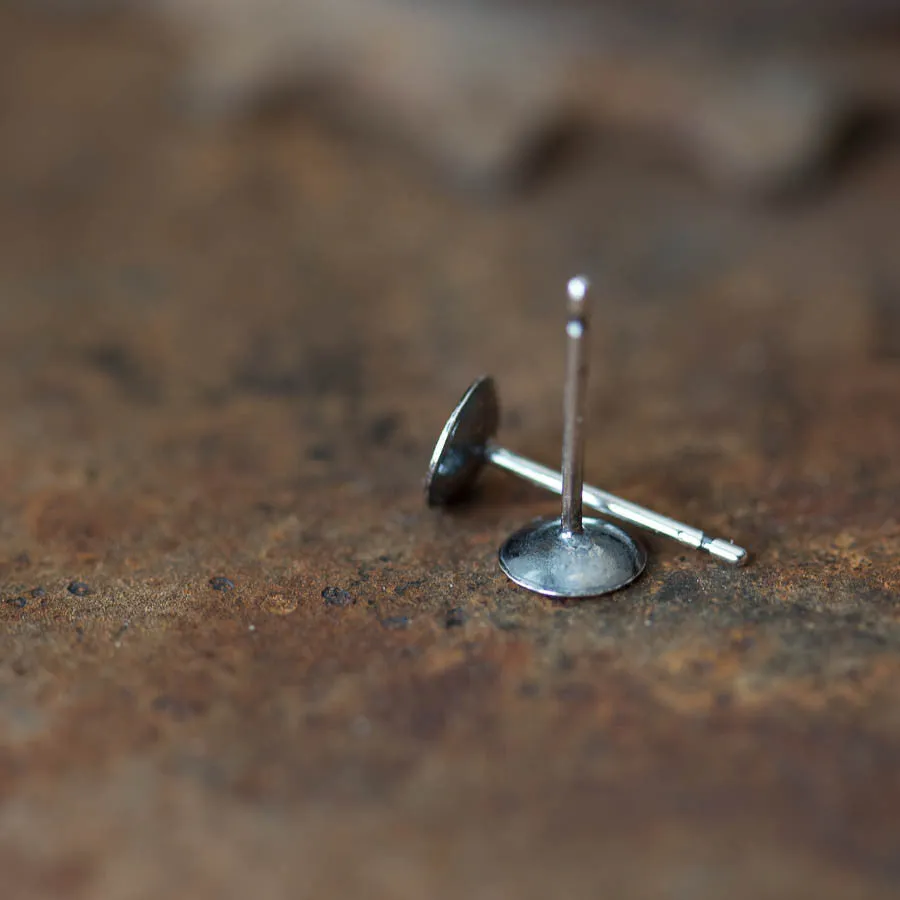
pixel 573 406
pixel 616 508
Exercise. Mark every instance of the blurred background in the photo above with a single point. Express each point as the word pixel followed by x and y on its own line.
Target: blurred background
pixel 251 254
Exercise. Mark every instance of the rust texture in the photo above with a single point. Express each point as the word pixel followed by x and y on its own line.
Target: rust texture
pixel 239 657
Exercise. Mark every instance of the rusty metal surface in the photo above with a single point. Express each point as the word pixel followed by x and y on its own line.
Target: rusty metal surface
pixel 226 355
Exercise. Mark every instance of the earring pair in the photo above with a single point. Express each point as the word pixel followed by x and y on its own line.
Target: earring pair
pixel 569 556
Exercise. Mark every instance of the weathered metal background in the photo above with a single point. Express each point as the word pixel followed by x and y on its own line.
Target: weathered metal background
pixel 227 353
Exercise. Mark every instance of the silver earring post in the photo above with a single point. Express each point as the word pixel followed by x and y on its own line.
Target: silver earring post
pixel 573 403
pixel 572 556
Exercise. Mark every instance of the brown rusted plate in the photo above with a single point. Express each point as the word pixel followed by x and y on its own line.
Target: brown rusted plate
pixel 224 356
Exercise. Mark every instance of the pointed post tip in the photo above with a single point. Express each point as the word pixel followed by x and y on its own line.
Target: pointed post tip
pixel 578 288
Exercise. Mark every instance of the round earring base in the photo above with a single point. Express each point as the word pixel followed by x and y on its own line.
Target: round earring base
pixel 598 560
pixel 459 453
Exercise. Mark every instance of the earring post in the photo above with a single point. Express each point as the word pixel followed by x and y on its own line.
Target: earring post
pixel 573 556
pixel 573 406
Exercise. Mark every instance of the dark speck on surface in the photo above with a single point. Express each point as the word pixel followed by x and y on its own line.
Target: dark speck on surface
pixel 401 589
pixel 678 588
pixel 396 622
pixel 221 583
pixel 383 428
pixel 19 602
pixel 456 617
pixel 79 589
pixel 335 596
pixel 321 452
pixel 38 593
pixel 118 364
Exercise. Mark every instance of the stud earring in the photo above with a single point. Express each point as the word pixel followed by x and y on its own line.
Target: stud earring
pixel 466 444
pixel 573 556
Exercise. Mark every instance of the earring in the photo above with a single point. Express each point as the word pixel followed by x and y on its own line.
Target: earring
pixel 466 444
